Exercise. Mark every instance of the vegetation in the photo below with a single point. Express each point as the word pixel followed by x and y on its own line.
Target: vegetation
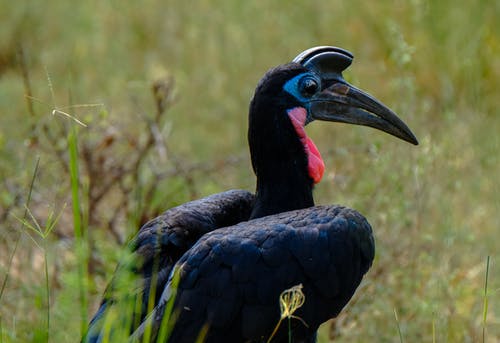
pixel 70 194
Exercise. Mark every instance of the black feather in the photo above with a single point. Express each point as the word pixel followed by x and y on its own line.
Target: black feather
pixel 327 249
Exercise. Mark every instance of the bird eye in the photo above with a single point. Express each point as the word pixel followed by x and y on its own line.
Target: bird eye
pixel 308 86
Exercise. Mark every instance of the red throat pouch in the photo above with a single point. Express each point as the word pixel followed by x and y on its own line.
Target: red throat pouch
pixel 315 164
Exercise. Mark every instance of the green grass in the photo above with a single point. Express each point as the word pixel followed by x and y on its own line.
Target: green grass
pixel 434 208
pixel 81 245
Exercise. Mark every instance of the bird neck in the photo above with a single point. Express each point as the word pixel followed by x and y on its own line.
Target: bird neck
pixel 281 166
pixel 282 194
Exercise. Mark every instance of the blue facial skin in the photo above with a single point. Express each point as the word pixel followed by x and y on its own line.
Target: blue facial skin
pixel 301 87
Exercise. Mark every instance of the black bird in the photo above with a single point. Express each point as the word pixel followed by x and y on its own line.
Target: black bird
pixel 236 252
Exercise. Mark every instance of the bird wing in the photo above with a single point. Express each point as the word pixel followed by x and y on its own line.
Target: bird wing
pixel 153 252
pixel 230 281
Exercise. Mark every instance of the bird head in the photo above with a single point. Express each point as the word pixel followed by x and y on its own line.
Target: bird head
pixel 310 88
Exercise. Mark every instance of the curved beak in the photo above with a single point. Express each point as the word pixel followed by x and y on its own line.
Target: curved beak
pixel 342 102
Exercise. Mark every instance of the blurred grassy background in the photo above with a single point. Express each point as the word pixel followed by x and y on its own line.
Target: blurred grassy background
pixel 435 208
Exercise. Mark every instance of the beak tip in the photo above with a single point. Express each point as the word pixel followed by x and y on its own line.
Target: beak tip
pixel 413 140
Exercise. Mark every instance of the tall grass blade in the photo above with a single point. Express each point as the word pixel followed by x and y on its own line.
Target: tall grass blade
pixel 16 243
pixel 485 299
pixel 151 298
pixel 43 233
pixel 399 326
pixel 203 334
pixel 169 316
pixel 434 329
pixel 47 290
pixel 80 237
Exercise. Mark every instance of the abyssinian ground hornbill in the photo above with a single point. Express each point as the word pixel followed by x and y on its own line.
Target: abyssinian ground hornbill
pixel 235 252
